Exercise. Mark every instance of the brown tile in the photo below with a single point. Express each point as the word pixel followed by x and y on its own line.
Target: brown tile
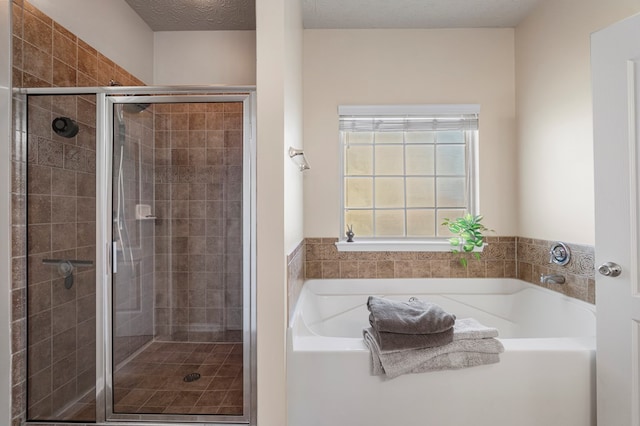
pixel 330 269
pixel 49 153
pixel 211 398
pixel 161 398
pixel 385 269
pixel 38 240
pixel 39 179
pixel 38 32
pixel 197 121
pixel 63 236
pixel 39 64
pixel 87 60
pixel 64 75
pixel 367 269
pixel 63 318
pixel 39 209
pixel 231 411
pixel 137 397
pixel 186 398
pixel 63 209
pixel 232 121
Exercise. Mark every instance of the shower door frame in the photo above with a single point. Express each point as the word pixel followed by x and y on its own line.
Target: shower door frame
pixel 104 320
pixel 106 97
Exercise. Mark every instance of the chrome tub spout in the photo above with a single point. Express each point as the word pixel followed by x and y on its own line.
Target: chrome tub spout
pixel 552 279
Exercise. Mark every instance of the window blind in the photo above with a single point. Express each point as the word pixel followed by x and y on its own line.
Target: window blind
pixel 412 118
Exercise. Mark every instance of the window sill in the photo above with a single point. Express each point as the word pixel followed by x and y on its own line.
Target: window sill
pixel 396 245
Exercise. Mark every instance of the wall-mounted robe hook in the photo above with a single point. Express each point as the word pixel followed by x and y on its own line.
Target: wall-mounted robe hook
pixel 298 157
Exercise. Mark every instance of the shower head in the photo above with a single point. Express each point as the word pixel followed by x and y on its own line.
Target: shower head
pixel 65 127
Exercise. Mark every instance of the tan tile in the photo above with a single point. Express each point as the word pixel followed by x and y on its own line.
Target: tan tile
pixel 65 49
pixel 385 269
pixel 37 31
pixel 330 269
pixel 87 61
pixel 39 63
pixel 367 269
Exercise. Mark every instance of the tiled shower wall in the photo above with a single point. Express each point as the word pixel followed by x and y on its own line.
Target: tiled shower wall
pixel 61 185
pixel 198 203
pixel 61 225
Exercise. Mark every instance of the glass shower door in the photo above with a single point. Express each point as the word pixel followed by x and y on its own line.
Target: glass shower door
pixel 180 332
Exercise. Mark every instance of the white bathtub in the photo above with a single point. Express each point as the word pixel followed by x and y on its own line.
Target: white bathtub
pixel 546 376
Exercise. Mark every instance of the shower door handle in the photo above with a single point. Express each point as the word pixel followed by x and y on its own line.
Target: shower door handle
pixel 114 257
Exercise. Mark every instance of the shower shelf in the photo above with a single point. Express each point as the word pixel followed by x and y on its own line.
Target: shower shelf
pixel 143 212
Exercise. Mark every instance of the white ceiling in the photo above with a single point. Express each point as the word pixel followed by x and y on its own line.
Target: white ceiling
pixel 414 13
pixel 211 15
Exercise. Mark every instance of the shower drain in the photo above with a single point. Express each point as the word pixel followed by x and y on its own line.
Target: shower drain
pixel 191 377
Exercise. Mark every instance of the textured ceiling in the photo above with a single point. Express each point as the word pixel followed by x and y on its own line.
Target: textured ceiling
pixel 211 15
pixel 414 13
pixel 196 15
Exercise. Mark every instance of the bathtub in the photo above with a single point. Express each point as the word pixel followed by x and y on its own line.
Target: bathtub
pixel 546 376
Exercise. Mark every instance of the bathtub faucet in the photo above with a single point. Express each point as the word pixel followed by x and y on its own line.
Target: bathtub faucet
pixel 552 279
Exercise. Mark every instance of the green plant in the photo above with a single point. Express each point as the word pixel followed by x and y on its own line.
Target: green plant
pixel 469 235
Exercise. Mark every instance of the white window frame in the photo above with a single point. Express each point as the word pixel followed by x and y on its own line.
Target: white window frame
pixel 410 243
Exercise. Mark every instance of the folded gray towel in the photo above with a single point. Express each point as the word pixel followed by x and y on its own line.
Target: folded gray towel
pixel 451 361
pixel 394 342
pixel 472 338
pixel 411 317
pixel 465 328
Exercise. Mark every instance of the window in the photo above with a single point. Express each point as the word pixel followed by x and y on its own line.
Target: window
pixel 406 168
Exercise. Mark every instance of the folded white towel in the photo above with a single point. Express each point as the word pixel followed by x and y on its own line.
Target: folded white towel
pixel 470 328
pixel 472 342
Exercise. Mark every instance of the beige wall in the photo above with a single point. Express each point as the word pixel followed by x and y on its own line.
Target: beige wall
pixel 204 57
pixel 279 33
pixel 555 144
pixel 111 27
pixel 409 67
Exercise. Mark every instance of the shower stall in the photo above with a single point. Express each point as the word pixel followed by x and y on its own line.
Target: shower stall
pixel 140 255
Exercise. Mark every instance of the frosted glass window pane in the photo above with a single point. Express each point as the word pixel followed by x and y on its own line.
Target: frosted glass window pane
pixel 420 159
pixel 443 214
pixel 389 223
pixel 358 192
pixel 421 223
pixel 450 160
pixel 362 221
pixel 389 137
pixel 389 160
pixel 450 192
pixel 389 192
pixel 456 136
pixel 358 160
pixel 420 192
pixel 420 137
pixel 359 137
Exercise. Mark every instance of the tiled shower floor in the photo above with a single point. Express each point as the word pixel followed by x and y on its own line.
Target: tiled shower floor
pixel 153 381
